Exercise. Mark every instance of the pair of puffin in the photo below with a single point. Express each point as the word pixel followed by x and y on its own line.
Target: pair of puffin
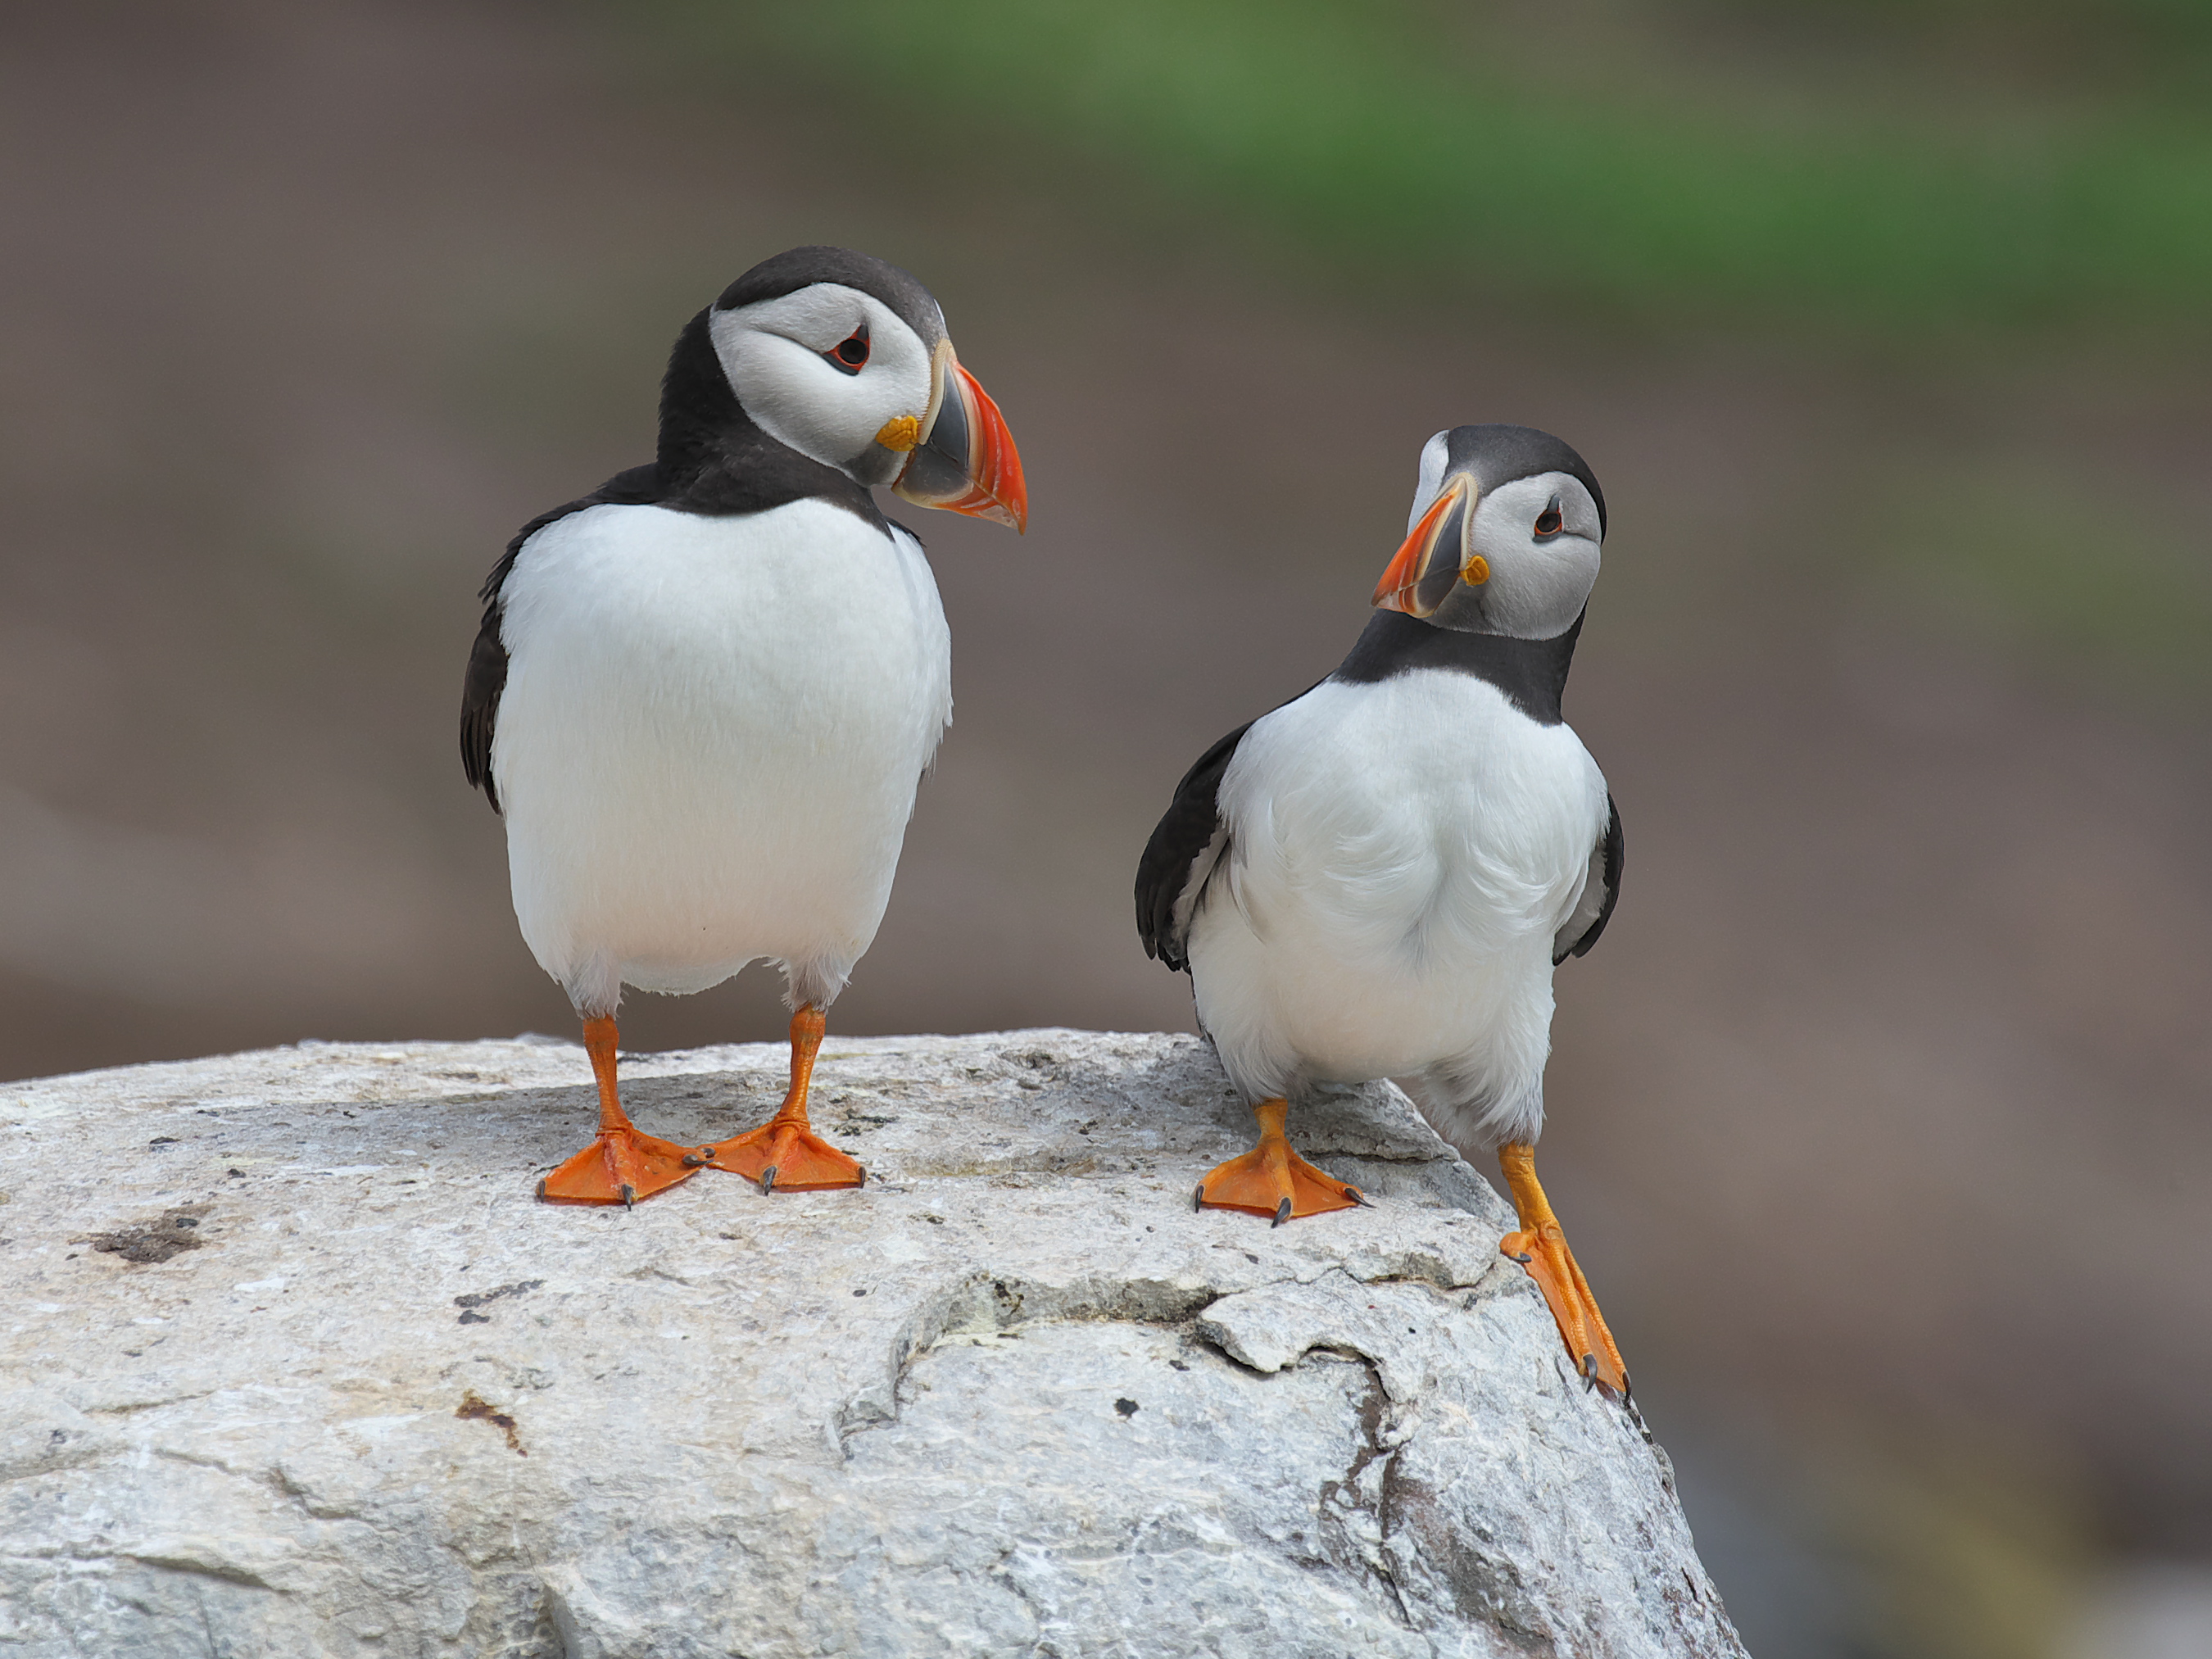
pixel 702 697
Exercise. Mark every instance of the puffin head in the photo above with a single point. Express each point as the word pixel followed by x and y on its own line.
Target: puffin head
pixel 845 359
pixel 1503 535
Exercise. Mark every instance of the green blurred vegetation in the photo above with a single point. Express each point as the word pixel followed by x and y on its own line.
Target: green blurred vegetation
pixel 2110 589
pixel 1864 166
pixel 1972 1549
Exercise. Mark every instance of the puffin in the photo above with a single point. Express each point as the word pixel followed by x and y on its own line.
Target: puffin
pixel 703 695
pixel 1378 878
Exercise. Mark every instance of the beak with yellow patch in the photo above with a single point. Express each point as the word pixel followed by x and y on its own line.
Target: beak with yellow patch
pixel 1438 554
pixel 960 456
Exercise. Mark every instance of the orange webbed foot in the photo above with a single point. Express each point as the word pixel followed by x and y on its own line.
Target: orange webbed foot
pixel 1540 1247
pixel 1271 1179
pixel 784 1155
pixel 619 1167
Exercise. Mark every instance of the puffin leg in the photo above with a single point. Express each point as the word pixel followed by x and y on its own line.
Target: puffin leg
pixel 784 1154
pixel 1271 1179
pixel 621 1165
pixel 1540 1247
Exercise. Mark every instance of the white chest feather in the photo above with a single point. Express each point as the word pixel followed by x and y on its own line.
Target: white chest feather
pixel 710 739
pixel 1401 854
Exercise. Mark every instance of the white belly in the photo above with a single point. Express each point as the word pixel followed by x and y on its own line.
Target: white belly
pixel 709 741
pixel 1400 857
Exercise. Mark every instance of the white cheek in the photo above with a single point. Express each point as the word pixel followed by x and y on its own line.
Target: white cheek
pixel 798 398
pixel 1538 592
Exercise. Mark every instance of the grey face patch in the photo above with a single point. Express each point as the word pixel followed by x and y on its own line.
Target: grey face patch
pixel 1538 583
pixel 1462 608
pixel 875 465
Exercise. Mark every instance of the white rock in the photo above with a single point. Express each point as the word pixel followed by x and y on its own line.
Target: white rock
pixel 294 1363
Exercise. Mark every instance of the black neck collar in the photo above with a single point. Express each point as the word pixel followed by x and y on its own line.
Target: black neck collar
pixel 713 458
pixel 1532 672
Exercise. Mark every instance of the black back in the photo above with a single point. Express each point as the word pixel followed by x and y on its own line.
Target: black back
pixel 1180 838
pixel 1610 857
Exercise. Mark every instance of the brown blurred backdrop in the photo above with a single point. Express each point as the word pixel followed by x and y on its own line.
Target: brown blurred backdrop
pixel 1880 1117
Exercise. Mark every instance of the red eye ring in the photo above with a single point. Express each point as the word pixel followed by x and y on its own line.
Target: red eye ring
pixel 1548 522
pixel 850 355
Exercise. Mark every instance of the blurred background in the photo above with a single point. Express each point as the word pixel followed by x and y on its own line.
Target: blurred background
pixel 1880 1119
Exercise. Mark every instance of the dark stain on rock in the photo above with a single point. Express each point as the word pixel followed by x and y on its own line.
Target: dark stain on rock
pixel 853 1121
pixel 171 1233
pixel 469 1304
pixel 1126 1407
pixel 475 1409
pixel 1484 1581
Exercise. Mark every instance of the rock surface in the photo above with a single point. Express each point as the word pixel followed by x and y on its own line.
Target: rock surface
pixel 293 1363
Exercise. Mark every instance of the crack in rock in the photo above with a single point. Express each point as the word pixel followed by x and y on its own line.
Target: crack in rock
pixel 1366 1548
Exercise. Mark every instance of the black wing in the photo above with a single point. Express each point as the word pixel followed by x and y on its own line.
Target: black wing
pixel 1600 892
pixel 487 671
pixel 1185 848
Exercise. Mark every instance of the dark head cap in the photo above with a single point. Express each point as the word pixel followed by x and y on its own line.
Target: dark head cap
pixel 802 267
pixel 1495 455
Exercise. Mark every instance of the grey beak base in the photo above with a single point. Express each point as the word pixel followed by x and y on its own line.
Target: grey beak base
pixel 940 467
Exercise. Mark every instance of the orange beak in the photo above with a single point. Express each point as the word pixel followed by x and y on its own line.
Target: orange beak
pixel 966 461
pixel 1435 557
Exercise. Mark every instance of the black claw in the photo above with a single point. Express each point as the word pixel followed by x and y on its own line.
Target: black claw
pixel 630 1196
pixel 1524 1260
pixel 862 1181
pixel 707 1154
pixel 1282 1212
pixel 768 1179
pixel 541 1187
pixel 1360 1198
pixel 692 1160
pixel 1198 1198
pixel 1590 1372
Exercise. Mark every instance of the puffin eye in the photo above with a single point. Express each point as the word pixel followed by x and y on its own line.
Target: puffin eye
pixel 849 354
pixel 1548 521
